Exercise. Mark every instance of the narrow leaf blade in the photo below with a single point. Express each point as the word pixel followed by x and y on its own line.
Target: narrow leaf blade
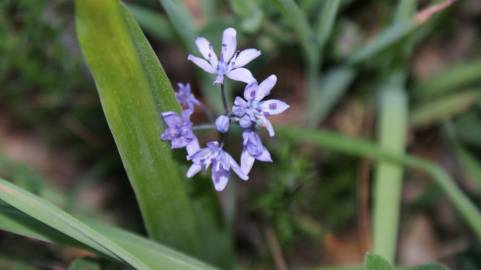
pixel 133 88
pixel 49 214
pixel 37 218
pixel 388 177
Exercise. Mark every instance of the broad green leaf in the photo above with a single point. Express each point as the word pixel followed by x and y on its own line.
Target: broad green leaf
pixel 84 264
pixel 442 109
pixel 358 147
pixel 212 232
pixel 153 23
pixel 47 213
pixel 133 90
pixel 376 262
pixel 392 130
pixel 37 218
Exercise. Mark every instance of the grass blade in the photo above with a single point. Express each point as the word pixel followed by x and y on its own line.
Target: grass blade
pixel 402 27
pixel 181 21
pixel 450 79
pixel 250 12
pixel 133 89
pixel 37 218
pixel 358 147
pixel 297 19
pixel 326 20
pixel 332 86
pixel 471 166
pixel 152 22
pixel 442 109
pixel 392 131
pixel 387 38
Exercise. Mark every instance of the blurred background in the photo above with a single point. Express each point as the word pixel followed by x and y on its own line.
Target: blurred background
pixel 311 207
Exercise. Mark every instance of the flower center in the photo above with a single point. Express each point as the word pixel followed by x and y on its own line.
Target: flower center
pixel 222 67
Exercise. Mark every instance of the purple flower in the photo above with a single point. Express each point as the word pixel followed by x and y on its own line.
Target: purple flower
pixel 185 97
pixel 252 110
pixel 253 149
pixel 230 62
pixel 221 161
pixel 222 123
pixel 179 131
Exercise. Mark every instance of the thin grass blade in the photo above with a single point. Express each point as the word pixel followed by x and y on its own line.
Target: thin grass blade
pixel 442 109
pixel 153 23
pixel 297 19
pixel 326 20
pixel 331 88
pixel 451 79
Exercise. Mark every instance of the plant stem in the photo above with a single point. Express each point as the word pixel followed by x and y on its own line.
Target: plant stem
pixel 388 177
pixel 203 127
pixel 223 136
pixel 224 99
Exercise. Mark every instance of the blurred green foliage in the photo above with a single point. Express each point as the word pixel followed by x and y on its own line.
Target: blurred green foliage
pixel 44 87
pixel 43 78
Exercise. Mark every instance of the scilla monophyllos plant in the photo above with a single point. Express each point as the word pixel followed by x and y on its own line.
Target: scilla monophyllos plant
pixel 250 112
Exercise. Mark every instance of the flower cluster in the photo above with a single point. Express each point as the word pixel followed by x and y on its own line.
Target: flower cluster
pixel 250 112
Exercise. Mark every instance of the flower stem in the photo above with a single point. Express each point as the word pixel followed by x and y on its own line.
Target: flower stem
pixel 223 136
pixel 203 127
pixel 224 99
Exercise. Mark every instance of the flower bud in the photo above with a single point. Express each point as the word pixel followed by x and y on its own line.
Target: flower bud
pixel 222 123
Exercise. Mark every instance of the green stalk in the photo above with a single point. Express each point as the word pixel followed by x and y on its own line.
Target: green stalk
pixel 327 17
pixel 388 176
pixel 392 129
pixel 362 148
